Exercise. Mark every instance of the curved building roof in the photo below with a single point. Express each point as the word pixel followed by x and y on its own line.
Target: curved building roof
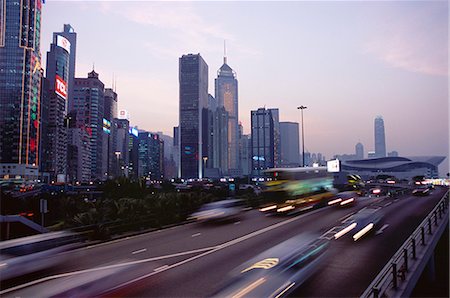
pixel 393 163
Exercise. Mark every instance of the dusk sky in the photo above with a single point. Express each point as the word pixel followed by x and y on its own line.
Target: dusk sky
pixel 348 62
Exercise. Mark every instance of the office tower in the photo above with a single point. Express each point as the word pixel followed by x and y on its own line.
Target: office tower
pixel 109 139
pixel 380 142
pixel 79 162
pixel 193 78
pixel 244 152
pixel 120 153
pixel 133 149
pixel 71 36
pixel 262 141
pixel 54 137
pixel 176 150
pixel 289 144
pixel 20 88
pixel 276 137
pixel 88 110
pixel 221 121
pixel 151 154
pixel 226 92
pixel 359 151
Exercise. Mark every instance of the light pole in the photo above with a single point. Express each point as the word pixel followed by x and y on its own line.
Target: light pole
pixel 301 108
pixel 205 159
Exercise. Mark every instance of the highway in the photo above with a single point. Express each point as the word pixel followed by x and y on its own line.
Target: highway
pixel 193 260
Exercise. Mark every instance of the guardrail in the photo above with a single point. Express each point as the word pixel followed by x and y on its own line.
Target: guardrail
pixel 399 268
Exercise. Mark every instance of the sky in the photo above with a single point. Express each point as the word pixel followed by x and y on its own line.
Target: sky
pixel 348 62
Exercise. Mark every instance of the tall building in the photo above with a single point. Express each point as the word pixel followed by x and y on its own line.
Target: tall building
pixel 227 97
pixel 133 149
pixel 176 150
pixel 359 151
pixel 109 139
pixel 88 110
pixel 151 156
pixel 20 88
pixel 54 132
pixel 193 78
pixel 276 137
pixel 244 152
pixel 289 144
pixel 220 156
pixel 380 141
pixel 262 141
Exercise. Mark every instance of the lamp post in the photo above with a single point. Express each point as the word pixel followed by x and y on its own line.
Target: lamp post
pixel 301 108
pixel 205 159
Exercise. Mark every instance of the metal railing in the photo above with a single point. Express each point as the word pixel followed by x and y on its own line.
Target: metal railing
pixel 399 267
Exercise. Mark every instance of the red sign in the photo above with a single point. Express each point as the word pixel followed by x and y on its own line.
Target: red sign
pixel 60 87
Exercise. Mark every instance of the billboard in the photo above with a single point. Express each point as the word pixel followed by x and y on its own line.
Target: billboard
pixel 124 114
pixel 334 166
pixel 60 87
pixel 63 42
pixel 106 126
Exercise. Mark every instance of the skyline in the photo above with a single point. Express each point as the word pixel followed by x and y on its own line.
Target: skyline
pixel 349 72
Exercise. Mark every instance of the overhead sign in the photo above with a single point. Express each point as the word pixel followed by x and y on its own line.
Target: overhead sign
pixel 60 87
pixel 63 42
pixel 124 114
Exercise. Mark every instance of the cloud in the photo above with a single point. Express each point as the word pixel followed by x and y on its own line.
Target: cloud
pixel 415 41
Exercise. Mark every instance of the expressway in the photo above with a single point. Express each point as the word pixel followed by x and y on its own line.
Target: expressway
pixel 193 260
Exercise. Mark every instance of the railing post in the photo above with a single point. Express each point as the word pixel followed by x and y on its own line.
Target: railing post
pixel 376 292
pixel 422 233
pixel 435 218
pixel 405 258
pixel 429 225
pixel 414 248
pixel 394 275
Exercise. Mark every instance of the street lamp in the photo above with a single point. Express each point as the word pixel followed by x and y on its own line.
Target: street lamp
pixel 118 163
pixel 301 108
pixel 205 159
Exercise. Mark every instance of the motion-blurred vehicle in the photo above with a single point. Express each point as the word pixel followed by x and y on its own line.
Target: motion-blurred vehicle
pixel 33 253
pixel 421 191
pixel 344 199
pixel 361 223
pixel 376 192
pixel 290 190
pixel 219 211
pixel 277 271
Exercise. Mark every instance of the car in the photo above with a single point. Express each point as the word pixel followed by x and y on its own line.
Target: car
pixel 421 191
pixel 277 271
pixel 361 223
pixel 219 211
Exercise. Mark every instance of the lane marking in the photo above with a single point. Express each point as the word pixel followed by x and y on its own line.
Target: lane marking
pixel 160 268
pixel 381 229
pixel 387 204
pixel 206 251
pixel 343 218
pixel 196 235
pixel 238 222
pixel 139 251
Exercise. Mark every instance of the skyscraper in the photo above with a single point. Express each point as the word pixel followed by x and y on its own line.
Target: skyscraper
pixel 359 151
pixel 88 110
pixel 54 132
pixel 193 78
pixel 227 98
pixel 262 141
pixel 289 144
pixel 380 142
pixel 20 87
pixel 151 156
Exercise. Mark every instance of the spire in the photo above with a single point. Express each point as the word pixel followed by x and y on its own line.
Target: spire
pixel 224 52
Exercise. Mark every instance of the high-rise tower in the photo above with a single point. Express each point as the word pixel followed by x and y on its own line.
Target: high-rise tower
pixel 227 98
pixel 193 78
pixel 20 87
pixel 359 151
pixel 380 142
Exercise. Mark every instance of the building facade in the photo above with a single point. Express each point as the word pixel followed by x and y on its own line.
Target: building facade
pixel 226 94
pixel 380 139
pixel 359 151
pixel 20 87
pixel 151 156
pixel 262 141
pixel 193 79
pixel 289 144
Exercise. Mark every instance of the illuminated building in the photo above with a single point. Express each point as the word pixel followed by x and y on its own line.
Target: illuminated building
pixel 262 141
pixel 120 151
pixel 380 140
pixel 151 156
pixel 227 98
pixel 20 87
pixel 54 129
pixel 193 79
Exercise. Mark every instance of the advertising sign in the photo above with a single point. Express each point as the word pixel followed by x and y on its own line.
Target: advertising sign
pixel 124 114
pixel 63 42
pixel 60 87
pixel 333 166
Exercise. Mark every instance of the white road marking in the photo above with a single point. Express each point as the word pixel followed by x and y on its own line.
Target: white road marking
pixel 160 268
pixel 207 251
pixel 387 204
pixel 139 251
pixel 381 229
pixel 196 235
pixel 238 222
pixel 346 216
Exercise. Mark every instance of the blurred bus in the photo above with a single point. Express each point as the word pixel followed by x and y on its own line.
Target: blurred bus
pixel 295 189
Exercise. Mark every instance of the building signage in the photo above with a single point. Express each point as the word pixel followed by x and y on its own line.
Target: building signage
pixel 60 87
pixel 124 114
pixel 63 42
pixel 333 166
